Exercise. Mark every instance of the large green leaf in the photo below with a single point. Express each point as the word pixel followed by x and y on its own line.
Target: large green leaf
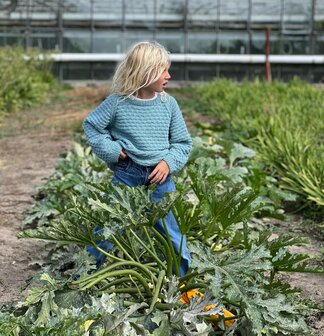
pixel 243 283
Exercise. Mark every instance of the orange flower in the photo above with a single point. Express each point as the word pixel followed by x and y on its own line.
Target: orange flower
pixel 227 313
pixel 186 296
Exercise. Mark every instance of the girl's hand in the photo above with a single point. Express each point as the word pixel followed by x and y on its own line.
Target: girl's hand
pixel 123 155
pixel 160 173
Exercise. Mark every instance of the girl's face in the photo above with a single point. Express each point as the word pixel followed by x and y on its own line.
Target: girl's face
pixel 158 86
pixel 162 82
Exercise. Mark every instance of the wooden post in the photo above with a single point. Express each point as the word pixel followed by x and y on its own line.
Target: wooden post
pixel 267 53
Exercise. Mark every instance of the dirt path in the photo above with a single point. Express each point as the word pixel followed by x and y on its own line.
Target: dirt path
pixel 26 161
pixel 29 151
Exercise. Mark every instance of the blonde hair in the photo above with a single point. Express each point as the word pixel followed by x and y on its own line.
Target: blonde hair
pixel 142 66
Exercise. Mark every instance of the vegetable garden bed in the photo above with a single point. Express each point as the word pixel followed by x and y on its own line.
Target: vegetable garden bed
pixel 224 203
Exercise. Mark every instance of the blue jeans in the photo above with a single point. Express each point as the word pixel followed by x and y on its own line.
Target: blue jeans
pixel 132 174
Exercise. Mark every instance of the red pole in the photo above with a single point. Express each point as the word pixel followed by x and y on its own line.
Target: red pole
pixel 267 53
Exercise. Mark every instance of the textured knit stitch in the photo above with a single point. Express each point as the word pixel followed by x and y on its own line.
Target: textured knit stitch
pixel 147 130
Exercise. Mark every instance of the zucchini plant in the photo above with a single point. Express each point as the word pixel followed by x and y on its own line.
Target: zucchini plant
pixel 138 291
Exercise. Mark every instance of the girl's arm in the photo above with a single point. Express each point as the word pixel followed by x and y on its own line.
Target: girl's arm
pixel 180 140
pixel 98 135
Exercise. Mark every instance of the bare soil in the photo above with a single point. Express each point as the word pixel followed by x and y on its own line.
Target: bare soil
pixel 30 146
pixel 26 161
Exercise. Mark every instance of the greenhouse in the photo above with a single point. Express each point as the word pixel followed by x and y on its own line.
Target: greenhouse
pixel 223 38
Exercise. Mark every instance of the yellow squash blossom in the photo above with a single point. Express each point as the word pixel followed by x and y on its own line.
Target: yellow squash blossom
pixel 186 296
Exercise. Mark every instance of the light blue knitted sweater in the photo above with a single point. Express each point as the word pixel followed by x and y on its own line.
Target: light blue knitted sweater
pixel 147 130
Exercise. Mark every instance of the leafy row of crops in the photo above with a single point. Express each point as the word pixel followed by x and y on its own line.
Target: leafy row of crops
pixel 223 196
pixel 283 122
pixel 23 82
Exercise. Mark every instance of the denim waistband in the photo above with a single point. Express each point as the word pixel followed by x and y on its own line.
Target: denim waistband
pixel 129 162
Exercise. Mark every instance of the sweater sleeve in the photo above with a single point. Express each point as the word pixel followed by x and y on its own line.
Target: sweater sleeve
pixel 179 138
pixel 96 128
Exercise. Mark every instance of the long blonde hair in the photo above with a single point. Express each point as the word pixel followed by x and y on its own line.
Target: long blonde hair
pixel 143 65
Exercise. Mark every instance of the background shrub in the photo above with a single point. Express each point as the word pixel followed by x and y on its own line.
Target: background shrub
pixel 24 79
pixel 283 122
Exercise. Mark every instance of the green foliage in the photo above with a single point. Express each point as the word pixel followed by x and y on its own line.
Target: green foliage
pixel 23 82
pixel 238 275
pixel 295 158
pixel 54 197
pixel 284 123
pixel 231 163
pixel 234 263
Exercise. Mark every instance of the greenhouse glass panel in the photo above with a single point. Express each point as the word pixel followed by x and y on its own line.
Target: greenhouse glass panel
pixel 288 72
pixel 319 45
pixel 231 42
pixel 203 11
pixel 297 10
pixel 233 10
pixel 266 11
pixel 201 72
pixel 134 36
pixel 319 14
pixel 108 12
pixel 76 41
pixel 235 71
pixel 258 42
pixel 316 74
pixel 22 10
pixel 256 71
pixel 79 10
pixel 11 37
pixel 295 45
pixel 43 40
pixel 40 6
pixel 202 42
pixel 139 13
pixel 170 11
pixel 107 41
pixel 177 71
pixel 76 71
pixel 173 40
pixel 103 71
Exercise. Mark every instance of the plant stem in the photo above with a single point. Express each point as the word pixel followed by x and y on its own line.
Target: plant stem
pixel 127 290
pixel 112 266
pixel 111 256
pixel 152 253
pixel 173 254
pixel 192 286
pixel 138 290
pixel 157 290
pixel 158 305
pixel 188 276
pixel 166 250
pixel 119 273
pixel 113 283
pixel 122 248
pixel 149 240
pixel 180 253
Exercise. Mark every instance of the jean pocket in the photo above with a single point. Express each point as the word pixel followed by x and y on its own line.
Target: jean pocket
pixel 124 165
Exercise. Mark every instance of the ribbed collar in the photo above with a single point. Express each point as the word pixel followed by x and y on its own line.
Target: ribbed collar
pixel 144 102
pixel 155 96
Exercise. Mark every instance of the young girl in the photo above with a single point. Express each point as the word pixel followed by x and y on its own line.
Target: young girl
pixel 140 133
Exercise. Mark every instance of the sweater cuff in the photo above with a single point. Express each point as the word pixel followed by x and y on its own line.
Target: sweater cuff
pixel 170 162
pixel 116 148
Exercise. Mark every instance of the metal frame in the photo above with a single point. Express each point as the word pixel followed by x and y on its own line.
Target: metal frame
pixel 27 19
pixel 192 58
